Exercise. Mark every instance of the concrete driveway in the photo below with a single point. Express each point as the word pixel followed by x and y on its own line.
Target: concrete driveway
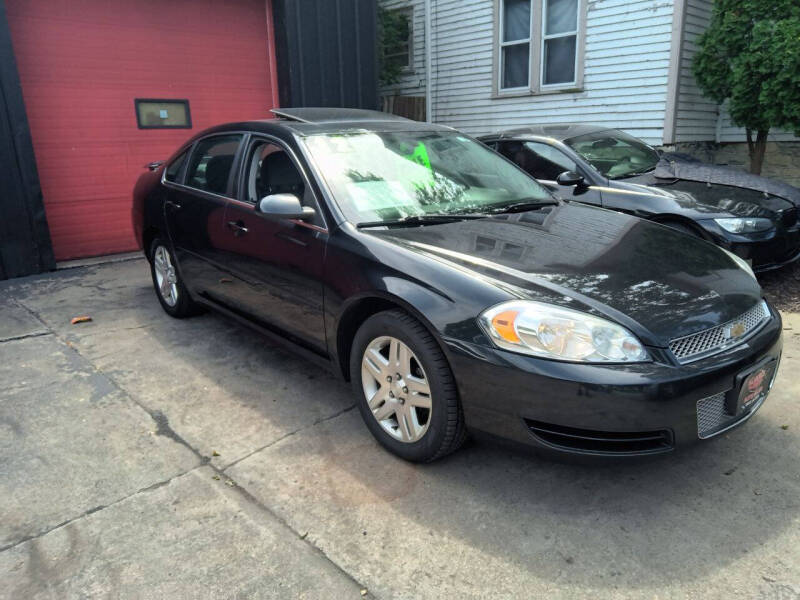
pixel 146 457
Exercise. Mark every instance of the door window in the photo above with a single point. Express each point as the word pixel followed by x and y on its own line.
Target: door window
pixel 270 170
pixel 211 163
pixel 174 168
pixel 540 160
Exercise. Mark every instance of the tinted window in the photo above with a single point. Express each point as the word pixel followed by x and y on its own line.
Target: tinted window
pixel 540 160
pixel 174 168
pixel 211 163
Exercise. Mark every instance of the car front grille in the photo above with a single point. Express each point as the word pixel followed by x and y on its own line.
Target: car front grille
pixel 711 415
pixel 789 217
pixel 710 341
pixel 602 442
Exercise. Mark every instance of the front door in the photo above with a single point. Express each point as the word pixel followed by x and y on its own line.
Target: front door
pixel 275 267
pixel 195 210
pixel 545 163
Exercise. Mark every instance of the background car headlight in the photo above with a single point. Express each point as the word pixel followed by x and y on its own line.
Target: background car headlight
pixel 737 225
pixel 550 331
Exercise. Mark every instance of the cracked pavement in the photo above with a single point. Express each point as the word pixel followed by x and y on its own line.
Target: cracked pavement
pixel 147 457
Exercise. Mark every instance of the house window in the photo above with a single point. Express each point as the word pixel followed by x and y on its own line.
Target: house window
pixel 539 46
pixel 515 43
pixel 559 42
pixel 399 41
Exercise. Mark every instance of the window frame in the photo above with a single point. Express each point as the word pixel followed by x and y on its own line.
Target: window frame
pixel 536 53
pixel 545 37
pixel 184 101
pixel 409 12
pixel 502 45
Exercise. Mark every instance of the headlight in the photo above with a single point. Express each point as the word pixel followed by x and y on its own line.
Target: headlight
pixel 550 331
pixel 736 225
pixel 741 262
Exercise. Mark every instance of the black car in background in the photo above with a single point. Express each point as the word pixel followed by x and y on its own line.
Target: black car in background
pixel 754 217
pixel 453 290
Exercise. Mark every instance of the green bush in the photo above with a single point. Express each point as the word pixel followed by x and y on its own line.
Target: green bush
pixel 750 56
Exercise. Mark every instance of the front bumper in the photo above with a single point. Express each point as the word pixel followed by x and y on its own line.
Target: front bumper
pixel 614 410
pixel 766 251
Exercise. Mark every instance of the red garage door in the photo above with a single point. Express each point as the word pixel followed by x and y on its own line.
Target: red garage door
pixel 83 62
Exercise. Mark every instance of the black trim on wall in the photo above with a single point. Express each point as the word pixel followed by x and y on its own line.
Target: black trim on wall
pixel 25 246
pixel 326 52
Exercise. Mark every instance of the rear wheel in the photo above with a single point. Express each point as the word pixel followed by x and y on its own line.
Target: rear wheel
pixel 405 389
pixel 171 291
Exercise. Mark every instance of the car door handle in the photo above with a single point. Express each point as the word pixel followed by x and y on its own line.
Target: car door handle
pixel 172 205
pixel 237 227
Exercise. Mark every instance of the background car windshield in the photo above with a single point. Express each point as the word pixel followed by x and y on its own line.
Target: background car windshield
pixel 384 176
pixel 615 154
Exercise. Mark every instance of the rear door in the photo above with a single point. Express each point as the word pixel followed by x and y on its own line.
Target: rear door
pixel 195 210
pixel 275 267
pixel 545 163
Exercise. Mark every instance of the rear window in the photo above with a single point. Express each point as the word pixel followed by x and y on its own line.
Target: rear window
pixel 174 168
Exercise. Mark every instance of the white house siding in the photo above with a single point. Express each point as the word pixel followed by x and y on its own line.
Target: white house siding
pixel 696 118
pixel 625 73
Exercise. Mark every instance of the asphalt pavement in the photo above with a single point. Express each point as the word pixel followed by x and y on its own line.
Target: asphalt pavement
pixel 147 457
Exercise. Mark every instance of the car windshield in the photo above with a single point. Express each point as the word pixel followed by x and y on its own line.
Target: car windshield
pixel 390 176
pixel 615 154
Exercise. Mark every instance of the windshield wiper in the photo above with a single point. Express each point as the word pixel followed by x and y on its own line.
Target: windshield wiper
pixel 521 206
pixel 634 174
pixel 429 219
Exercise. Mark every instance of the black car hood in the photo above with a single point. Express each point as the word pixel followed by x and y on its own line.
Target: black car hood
pixel 658 282
pixel 677 166
pixel 713 190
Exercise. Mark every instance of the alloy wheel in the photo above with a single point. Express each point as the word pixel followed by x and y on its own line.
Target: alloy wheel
pixel 396 388
pixel 166 278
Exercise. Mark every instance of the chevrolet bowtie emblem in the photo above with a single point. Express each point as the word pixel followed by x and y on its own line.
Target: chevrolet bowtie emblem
pixel 736 330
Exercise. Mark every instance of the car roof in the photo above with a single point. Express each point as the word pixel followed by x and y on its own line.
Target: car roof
pixel 309 121
pixel 557 131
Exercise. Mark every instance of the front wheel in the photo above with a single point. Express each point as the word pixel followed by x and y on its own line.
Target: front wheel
pixel 406 392
pixel 170 289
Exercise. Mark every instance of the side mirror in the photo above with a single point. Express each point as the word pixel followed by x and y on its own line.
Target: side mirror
pixel 570 178
pixel 283 206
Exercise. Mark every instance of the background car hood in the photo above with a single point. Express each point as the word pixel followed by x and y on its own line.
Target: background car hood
pixel 714 190
pixel 658 282
pixel 706 201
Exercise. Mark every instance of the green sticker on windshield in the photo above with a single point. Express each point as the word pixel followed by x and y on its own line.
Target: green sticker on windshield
pixel 420 156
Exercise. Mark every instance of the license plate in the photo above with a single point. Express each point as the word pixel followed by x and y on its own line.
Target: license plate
pixel 755 386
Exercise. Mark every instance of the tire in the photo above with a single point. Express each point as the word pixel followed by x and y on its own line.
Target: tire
pixel 431 428
pixel 176 302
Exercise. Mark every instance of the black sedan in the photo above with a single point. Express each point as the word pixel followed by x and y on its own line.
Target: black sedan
pixel 454 291
pixel 754 217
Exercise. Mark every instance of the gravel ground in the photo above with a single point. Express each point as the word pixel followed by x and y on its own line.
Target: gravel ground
pixel 782 287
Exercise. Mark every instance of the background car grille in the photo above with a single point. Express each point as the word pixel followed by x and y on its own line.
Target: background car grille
pixel 709 341
pixel 789 217
pixel 602 442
